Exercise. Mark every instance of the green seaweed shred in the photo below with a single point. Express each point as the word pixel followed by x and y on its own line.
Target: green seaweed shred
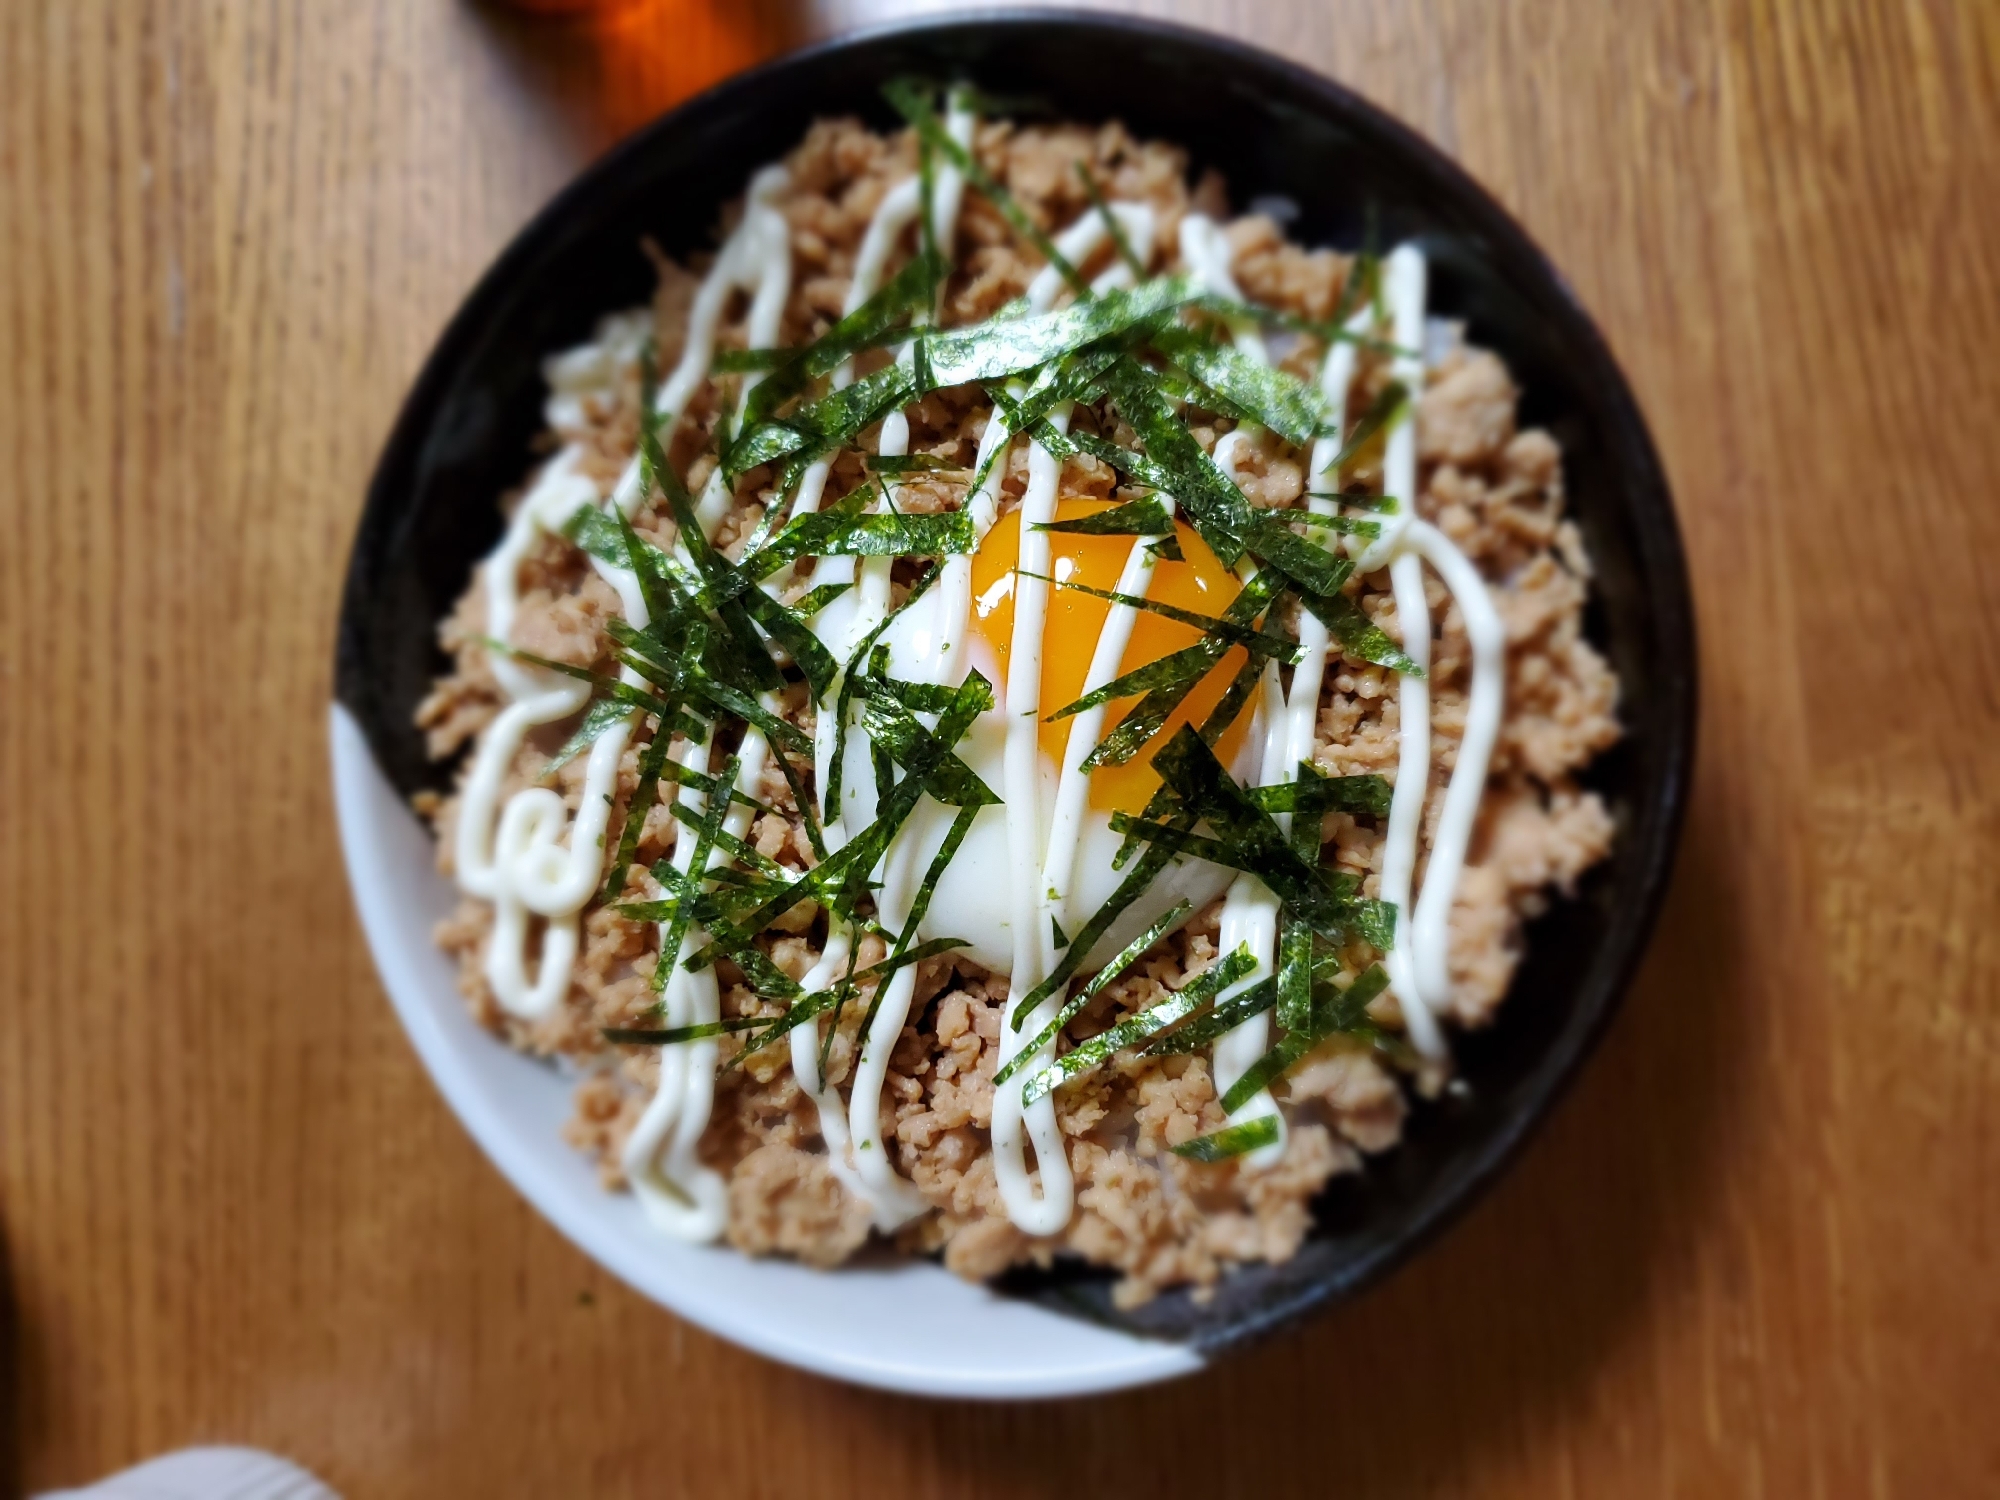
pixel 993 351
pixel 1357 635
pixel 1390 403
pixel 637 807
pixel 1073 1007
pixel 912 100
pixel 1150 716
pixel 647 1036
pixel 844 698
pixel 1333 1011
pixel 602 714
pixel 1225 1018
pixel 1281 402
pixel 1144 517
pixel 1230 1141
pixel 1136 1030
pixel 1116 230
pixel 745 361
pixel 1243 836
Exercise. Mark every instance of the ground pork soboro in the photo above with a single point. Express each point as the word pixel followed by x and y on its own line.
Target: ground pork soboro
pixel 1159 1220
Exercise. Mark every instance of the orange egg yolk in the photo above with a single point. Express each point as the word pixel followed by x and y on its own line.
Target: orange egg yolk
pixel 1075 620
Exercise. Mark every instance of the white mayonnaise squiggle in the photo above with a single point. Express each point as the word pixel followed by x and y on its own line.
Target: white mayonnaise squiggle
pixel 1250 912
pixel 1206 253
pixel 1418 964
pixel 679 1194
pixel 1028 856
pixel 937 648
pixel 1021 790
pixel 525 866
pixel 861 1164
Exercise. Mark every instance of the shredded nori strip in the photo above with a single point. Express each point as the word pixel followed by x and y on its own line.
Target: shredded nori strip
pixel 1069 379
pixel 875 322
pixel 765 978
pixel 902 736
pixel 1308 564
pixel 738 601
pixel 928 251
pixel 1332 331
pixel 1136 1029
pixel 1281 402
pixel 1143 517
pixel 1342 525
pixel 1152 712
pixel 1230 1141
pixel 1389 403
pixel 911 100
pixel 651 759
pixel 916 953
pixel 992 351
pixel 813 600
pixel 1295 973
pixel 711 825
pixel 1111 224
pixel 1225 1018
pixel 743 361
pixel 730 844
pixel 596 533
pixel 839 531
pixel 1173 461
pixel 830 794
pixel 1150 864
pixel 1244 837
pixel 865 850
pixel 1332 1011
pixel 1314 794
pixel 647 1036
pixel 1357 635
pixel 610 687
pixel 1214 627
pixel 954 836
pixel 602 714
pixel 823 426
pixel 1120 962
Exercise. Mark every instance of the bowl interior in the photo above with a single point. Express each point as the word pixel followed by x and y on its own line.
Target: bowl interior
pixel 1338 170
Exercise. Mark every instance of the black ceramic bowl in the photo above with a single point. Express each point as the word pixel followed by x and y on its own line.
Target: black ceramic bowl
pixel 1276 130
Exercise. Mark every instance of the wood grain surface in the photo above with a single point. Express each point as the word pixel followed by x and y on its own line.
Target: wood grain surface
pixel 1753 1254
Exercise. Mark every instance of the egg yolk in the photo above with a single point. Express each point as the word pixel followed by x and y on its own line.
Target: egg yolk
pixel 1075 620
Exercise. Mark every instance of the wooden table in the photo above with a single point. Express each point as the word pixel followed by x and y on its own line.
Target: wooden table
pixel 1754 1253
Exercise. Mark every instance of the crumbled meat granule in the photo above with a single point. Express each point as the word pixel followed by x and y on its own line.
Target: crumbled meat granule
pixel 785 1201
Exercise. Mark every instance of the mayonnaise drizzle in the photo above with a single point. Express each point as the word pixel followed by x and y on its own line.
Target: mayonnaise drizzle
pixel 852 1130
pixel 523 866
pixel 1250 910
pixel 1419 963
pixel 681 1196
pixel 1021 793
pixel 1206 253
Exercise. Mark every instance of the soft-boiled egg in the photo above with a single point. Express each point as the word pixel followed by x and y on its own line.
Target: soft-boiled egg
pixel 972 900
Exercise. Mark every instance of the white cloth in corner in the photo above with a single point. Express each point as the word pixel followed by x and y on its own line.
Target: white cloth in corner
pixel 206 1474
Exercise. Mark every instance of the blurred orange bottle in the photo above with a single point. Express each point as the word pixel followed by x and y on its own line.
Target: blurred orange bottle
pixel 562 7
